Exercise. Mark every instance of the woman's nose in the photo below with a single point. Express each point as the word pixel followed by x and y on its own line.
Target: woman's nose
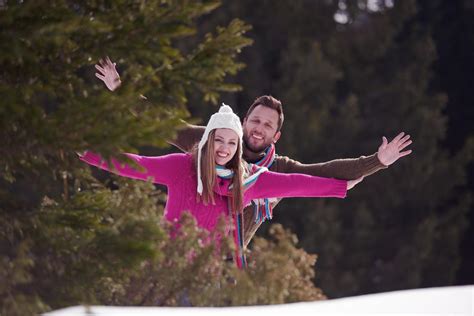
pixel 222 147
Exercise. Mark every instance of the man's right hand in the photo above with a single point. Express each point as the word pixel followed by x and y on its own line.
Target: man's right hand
pixel 108 74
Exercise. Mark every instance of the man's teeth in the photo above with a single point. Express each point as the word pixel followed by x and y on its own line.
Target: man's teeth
pixel 257 137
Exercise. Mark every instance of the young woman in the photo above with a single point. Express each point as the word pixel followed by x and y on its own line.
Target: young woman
pixel 213 181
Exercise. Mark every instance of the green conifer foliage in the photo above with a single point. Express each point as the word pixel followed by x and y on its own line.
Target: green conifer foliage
pixel 66 237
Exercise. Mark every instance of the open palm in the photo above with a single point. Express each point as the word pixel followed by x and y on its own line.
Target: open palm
pixel 108 74
pixel 388 153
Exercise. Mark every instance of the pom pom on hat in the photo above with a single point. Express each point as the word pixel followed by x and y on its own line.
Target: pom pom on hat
pixel 225 109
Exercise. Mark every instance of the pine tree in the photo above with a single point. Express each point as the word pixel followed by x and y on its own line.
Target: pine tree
pixel 69 236
pixel 65 237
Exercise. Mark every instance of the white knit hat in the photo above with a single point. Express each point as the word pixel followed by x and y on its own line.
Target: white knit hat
pixel 225 118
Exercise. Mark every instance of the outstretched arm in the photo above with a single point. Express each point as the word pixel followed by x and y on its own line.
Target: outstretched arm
pixel 350 169
pixel 346 169
pixel 279 185
pixel 161 169
pixel 187 136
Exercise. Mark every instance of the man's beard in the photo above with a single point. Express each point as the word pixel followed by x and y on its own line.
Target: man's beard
pixel 255 149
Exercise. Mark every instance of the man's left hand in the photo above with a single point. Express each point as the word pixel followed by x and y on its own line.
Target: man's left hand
pixel 388 153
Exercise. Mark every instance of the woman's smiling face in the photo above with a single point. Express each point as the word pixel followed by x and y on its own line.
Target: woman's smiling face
pixel 225 145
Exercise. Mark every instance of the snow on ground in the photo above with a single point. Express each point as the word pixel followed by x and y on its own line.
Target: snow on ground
pixel 456 300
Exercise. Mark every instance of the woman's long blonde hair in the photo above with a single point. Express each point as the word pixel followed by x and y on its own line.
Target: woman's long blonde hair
pixel 208 173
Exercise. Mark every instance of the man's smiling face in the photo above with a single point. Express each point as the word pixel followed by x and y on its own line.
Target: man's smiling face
pixel 261 128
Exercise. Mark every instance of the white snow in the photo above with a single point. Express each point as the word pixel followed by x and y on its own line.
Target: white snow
pixel 455 300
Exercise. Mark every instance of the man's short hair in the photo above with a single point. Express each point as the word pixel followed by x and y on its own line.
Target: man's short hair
pixel 269 102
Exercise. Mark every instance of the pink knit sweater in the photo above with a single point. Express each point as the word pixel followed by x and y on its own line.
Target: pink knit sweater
pixel 178 173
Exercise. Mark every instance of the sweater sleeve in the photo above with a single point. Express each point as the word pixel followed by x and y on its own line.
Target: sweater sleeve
pixel 346 169
pixel 278 185
pixel 187 137
pixel 160 169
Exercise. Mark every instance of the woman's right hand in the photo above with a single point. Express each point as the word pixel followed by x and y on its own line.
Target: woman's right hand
pixel 108 74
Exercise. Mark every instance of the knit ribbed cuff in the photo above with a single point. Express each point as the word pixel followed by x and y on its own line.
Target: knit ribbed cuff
pixel 372 164
pixel 340 189
pixel 92 159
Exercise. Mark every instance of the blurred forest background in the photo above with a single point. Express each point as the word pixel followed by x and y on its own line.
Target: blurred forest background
pixel 347 72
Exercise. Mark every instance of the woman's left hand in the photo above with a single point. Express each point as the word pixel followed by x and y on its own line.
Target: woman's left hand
pixel 352 183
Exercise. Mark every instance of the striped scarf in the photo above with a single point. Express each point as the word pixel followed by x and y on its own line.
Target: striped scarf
pixel 262 207
pixel 251 175
pixel 237 220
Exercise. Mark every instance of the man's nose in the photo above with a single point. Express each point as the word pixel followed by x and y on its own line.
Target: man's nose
pixel 258 128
